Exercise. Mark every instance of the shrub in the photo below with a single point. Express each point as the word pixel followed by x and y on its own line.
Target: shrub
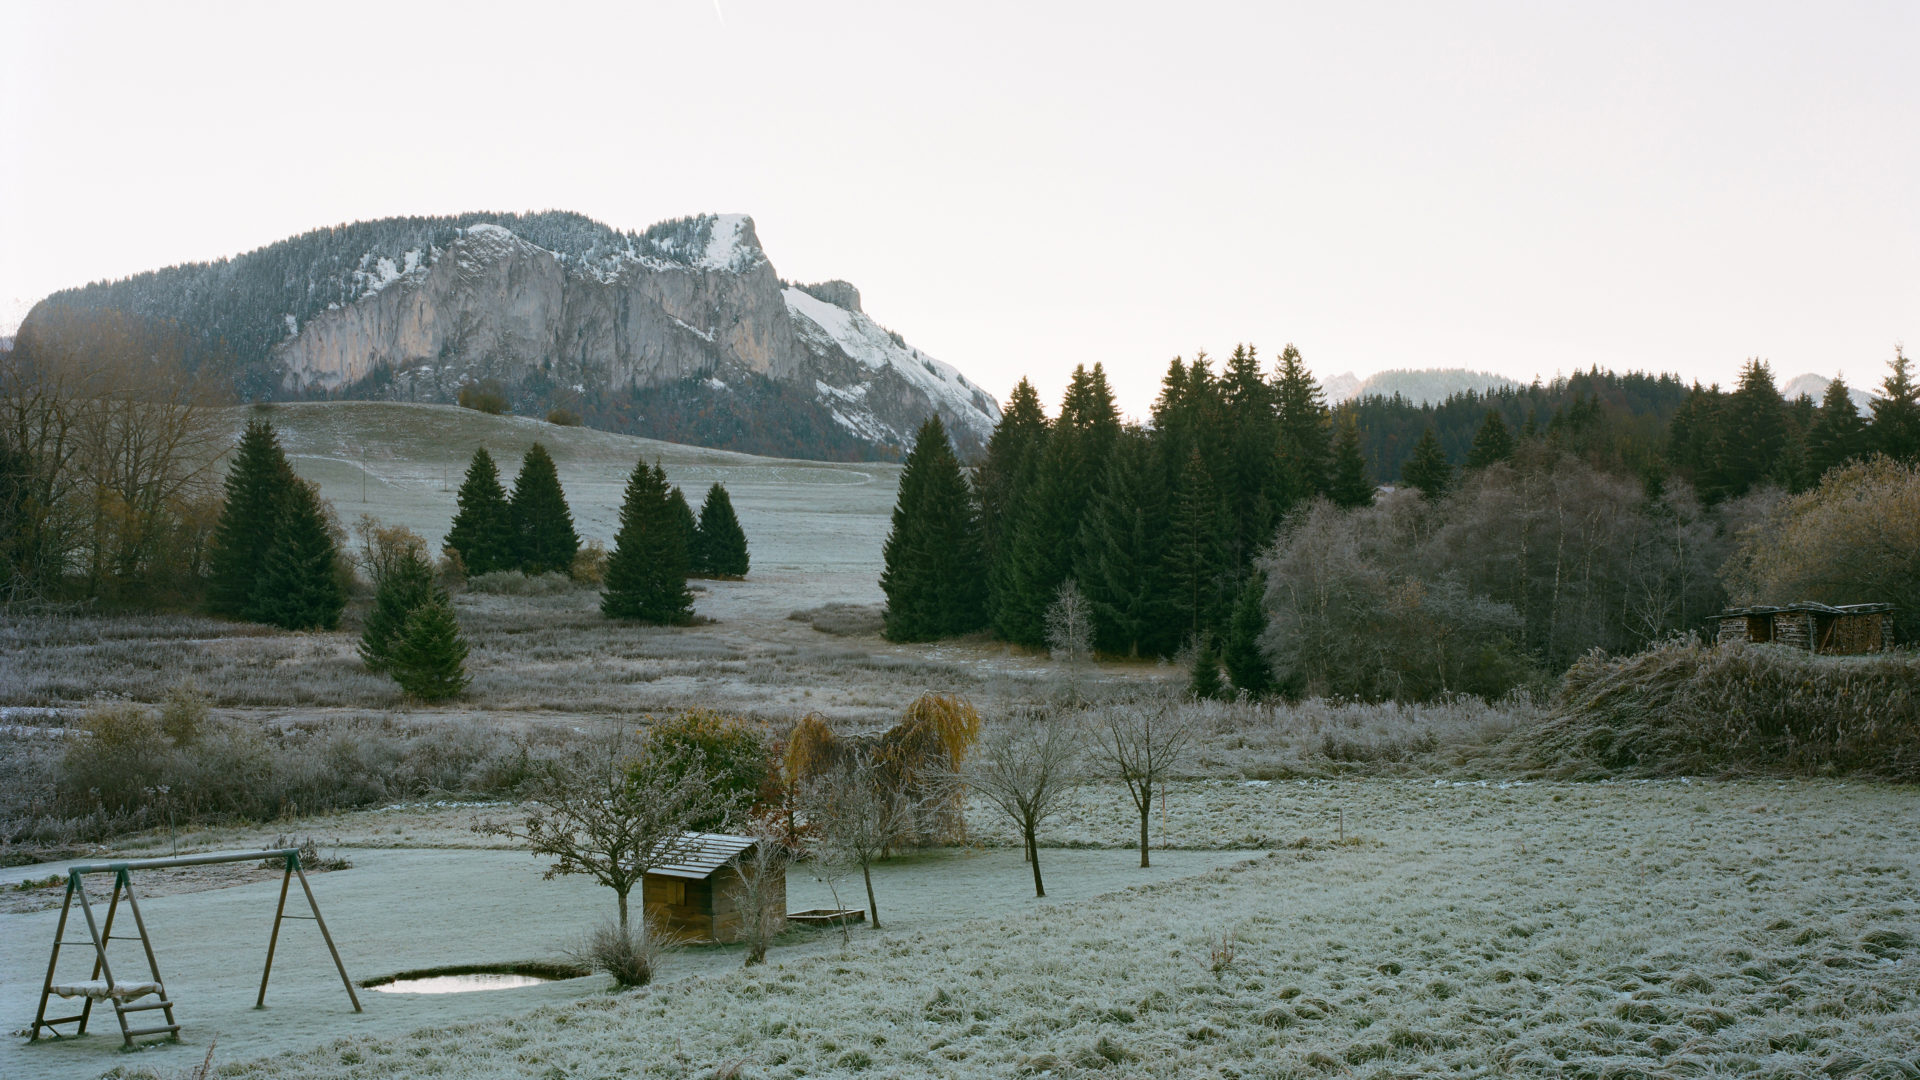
pixel 590 564
pixel 428 658
pixel 563 418
pixel 631 957
pixel 732 750
pixel 515 583
pixel 1691 708
pixel 486 396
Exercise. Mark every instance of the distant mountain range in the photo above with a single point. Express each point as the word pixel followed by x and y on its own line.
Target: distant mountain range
pixel 1431 387
pixel 681 331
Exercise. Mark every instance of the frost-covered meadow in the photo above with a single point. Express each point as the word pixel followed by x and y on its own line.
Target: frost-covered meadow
pixel 1758 928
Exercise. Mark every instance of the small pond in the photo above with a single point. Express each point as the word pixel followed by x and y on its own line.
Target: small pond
pixel 462 980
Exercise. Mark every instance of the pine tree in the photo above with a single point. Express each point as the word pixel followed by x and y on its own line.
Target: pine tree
pixel 935 573
pixel 429 657
pixel 1493 442
pixel 1205 683
pixel 1253 484
pixel 1350 486
pixel 721 548
pixel 1122 547
pixel 1245 665
pixel 1750 437
pixel 1305 457
pixel 646 576
pixel 1896 413
pixel 1196 565
pixel 482 532
pixel 256 484
pixel 1427 467
pixel 544 540
pixel 299 587
pixel 404 587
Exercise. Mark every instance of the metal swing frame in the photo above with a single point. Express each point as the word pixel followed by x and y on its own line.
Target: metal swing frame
pixel 98 936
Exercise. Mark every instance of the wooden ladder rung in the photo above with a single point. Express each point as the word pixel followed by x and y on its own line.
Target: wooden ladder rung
pixel 62 1020
pixel 135 1033
pixel 144 1008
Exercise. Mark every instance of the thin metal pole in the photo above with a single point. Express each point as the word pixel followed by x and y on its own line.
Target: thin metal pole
pixel 59 935
pixel 322 924
pixel 261 1001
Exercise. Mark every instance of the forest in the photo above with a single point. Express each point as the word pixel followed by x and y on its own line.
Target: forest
pixel 1379 549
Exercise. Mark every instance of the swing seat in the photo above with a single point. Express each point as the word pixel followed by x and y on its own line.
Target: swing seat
pixel 102 990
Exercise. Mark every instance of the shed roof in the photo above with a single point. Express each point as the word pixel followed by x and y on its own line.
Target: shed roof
pixel 698 855
pixel 1822 609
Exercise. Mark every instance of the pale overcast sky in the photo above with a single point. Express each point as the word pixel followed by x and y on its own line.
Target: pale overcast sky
pixel 1019 187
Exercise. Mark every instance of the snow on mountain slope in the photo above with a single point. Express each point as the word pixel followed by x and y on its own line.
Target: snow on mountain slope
pixel 877 349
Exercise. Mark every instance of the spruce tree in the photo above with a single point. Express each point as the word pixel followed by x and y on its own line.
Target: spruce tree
pixel 429 657
pixel 1205 685
pixel 1196 563
pixel 1493 442
pixel 1350 486
pixel 1122 547
pixel 299 587
pixel 1255 490
pixel 1751 436
pixel 1245 665
pixel 1304 454
pixel 1427 467
pixel 404 587
pixel 646 576
pixel 1004 483
pixel 1896 413
pixel 935 573
pixel 256 483
pixel 721 550
pixel 544 540
pixel 689 527
pixel 482 532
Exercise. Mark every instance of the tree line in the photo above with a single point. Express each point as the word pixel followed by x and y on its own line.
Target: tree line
pixel 1242 523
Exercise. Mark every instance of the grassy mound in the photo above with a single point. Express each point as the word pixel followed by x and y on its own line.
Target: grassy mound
pixel 1698 709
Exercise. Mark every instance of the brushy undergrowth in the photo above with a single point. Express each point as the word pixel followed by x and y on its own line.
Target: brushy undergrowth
pixel 1693 708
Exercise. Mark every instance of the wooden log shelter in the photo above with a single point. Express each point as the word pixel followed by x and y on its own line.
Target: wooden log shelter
pixel 695 894
pixel 1842 631
pixel 127 995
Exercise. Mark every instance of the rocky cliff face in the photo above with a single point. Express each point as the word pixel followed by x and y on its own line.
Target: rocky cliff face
pixel 687 316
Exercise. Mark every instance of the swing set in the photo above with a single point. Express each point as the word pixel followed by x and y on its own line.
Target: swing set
pixel 103 986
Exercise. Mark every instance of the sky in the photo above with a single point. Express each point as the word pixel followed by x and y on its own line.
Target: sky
pixel 1018 188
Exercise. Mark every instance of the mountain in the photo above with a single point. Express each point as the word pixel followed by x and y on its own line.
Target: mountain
pixel 1418 387
pixel 681 331
pixel 1815 387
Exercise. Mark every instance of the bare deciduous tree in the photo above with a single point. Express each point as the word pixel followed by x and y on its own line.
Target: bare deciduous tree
pixel 1028 767
pixel 760 890
pixel 614 810
pixel 858 813
pixel 1142 741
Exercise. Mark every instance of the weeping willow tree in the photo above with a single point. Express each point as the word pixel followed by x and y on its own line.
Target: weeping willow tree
pixel 914 759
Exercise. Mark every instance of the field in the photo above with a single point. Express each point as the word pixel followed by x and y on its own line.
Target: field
pixel 1344 889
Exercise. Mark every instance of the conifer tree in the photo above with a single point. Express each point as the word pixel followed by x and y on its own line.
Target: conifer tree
pixel 299 585
pixel 935 574
pixel 1071 469
pixel 689 526
pixel 1196 565
pixel 1427 467
pixel 1896 413
pixel 1305 457
pixel 544 540
pixel 429 657
pixel 258 479
pixel 1205 685
pixel 1123 544
pixel 1253 484
pixel 646 577
pixel 1493 442
pixel 1245 666
pixel 1750 438
pixel 482 532
pixel 721 549
pixel 1004 482
pixel 405 586
pixel 1350 486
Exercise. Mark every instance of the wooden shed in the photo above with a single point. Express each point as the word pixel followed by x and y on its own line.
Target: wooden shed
pixel 1845 630
pixel 695 893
